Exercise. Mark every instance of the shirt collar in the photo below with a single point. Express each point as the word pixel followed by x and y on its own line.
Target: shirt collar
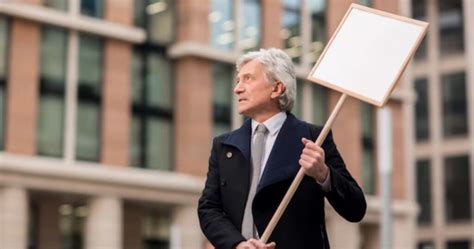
pixel 273 124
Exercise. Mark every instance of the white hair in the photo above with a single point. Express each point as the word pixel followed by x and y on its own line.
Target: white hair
pixel 277 66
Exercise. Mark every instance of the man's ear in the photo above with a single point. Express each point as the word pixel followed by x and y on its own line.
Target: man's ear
pixel 278 89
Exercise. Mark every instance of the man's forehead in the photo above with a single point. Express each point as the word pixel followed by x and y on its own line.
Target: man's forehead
pixel 250 67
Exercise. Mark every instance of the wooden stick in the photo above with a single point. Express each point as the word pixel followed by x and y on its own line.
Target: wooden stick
pixel 296 182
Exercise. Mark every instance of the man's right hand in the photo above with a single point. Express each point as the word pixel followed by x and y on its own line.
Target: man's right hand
pixel 255 244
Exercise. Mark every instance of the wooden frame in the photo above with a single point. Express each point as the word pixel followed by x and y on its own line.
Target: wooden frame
pixel 417 30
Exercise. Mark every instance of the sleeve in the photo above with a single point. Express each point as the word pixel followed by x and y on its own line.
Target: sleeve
pixel 215 224
pixel 344 195
pixel 326 185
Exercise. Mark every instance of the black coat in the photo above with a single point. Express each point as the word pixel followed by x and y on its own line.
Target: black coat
pixel 302 226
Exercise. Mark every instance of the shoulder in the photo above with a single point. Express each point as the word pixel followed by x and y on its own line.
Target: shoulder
pixel 220 138
pixel 314 128
pixel 226 137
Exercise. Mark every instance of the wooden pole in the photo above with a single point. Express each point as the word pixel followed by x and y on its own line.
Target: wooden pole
pixel 296 182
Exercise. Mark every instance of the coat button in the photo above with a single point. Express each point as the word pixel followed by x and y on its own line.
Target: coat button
pixel 229 154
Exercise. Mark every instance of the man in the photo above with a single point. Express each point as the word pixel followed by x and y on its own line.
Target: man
pixel 251 168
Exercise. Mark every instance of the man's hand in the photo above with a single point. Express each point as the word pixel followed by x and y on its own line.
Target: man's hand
pixel 255 244
pixel 312 160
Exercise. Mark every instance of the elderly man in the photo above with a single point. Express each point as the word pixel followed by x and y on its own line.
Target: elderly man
pixel 251 168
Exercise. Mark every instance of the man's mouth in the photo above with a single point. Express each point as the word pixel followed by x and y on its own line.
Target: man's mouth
pixel 242 99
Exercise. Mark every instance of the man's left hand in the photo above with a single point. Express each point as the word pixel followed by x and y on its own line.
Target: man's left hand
pixel 312 160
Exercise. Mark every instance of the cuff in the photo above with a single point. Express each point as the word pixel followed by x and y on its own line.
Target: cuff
pixel 326 185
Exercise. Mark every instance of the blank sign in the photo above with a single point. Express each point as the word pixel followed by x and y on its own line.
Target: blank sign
pixel 368 53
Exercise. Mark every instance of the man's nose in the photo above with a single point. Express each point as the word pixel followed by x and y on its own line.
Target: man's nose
pixel 238 88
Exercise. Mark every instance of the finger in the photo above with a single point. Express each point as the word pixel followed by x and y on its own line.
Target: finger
pixel 318 153
pixel 310 144
pixel 305 141
pixel 271 245
pixel 248 245
pixel 312 158
pixel 304 164
pixel 307 158
pixel 257 244
pixel 312 153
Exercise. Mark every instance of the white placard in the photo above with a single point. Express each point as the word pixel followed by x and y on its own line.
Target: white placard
pixel 368 53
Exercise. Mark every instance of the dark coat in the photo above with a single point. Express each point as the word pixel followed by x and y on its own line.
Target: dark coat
pixel 302 226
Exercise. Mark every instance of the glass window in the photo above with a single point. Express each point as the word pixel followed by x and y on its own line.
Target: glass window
pixel 318 29
pixel 223 75
pixel 425 245
pixel 419 12
pixel 89 98
pixel 151 140
pixel 157 18
pixel 368 164
pixel 222 24
pixel 291 28
pixel 93 8
pixel 320 100
pixel 451 27
pixel 72 218
pixel 422 122
pixel 367 3
pixel 52 87
pixel 250 24
pixel 422 51
pixel 3 73
pixel 458 244
pixel 418 8
pixel 57 4
pixel 156 230
pixel 454 104
pixel 457 189
pixel 298 104
pixel 423 191
pixel 65 218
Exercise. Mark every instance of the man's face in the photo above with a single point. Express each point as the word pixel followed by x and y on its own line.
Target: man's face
pixel 255 95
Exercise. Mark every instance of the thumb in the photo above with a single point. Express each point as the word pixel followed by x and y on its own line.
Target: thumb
pixel 305 141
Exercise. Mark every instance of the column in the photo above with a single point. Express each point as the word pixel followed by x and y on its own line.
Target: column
pixel 341 233
pixel 185 232
pixel 117 88
pixel 271 24
pixel 104 223
pixel 22 87
pixel 13 218
pixel 193 92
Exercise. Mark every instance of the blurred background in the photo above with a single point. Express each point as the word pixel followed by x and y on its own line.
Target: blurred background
pixel 108 109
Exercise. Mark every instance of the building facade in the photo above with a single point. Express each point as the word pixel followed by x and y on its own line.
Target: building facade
pixel 443 78
pixel 108 109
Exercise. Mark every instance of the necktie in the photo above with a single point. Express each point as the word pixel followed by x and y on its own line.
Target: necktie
pixel 257 150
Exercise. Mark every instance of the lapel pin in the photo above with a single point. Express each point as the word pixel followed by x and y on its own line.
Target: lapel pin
pixel 229 154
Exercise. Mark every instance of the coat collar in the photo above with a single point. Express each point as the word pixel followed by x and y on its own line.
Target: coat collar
pixel 283 160
pixel 240 138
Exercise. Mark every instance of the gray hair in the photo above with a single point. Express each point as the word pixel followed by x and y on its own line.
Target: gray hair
pixel 277 67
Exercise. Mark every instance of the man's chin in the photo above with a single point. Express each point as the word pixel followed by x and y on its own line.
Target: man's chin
pixel 241 111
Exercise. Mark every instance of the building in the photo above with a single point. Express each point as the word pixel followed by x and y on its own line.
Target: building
pixel 108 116
pixel 443 77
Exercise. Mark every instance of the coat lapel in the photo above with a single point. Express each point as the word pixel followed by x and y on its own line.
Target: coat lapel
pixel 240 139
pixel 282 163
